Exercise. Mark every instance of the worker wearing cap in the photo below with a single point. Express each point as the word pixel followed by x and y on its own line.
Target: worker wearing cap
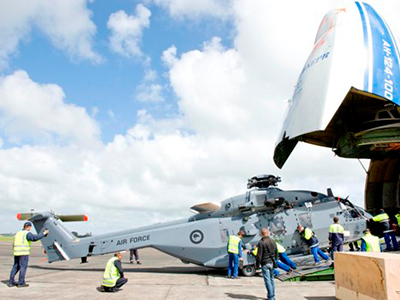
pixel 312 242
pixel 336 236
pixel 369 242
pixel 22 249
pixel 388 233
pixel 113 277
pixel 234 248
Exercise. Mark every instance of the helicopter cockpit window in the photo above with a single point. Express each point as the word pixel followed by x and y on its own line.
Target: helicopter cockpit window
pixel 354 214
pixel 305 220
pixel 277 226
pixel 361 211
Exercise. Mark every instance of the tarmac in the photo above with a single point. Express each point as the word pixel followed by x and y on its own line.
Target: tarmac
pixel 160 276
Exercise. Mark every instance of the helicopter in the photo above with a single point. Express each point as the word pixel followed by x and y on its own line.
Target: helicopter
pixel 202 238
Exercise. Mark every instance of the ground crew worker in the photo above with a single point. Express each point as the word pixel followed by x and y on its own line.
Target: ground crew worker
pixel 114 277
pixel 336 236
pixel 134 252
pixel 284 258
pixel 312 242
pixel 369 242
pixel 267 255
pixel 279 264
pixel 354 245
pixel 388 232
pixel 397 216
pixel 234 248
pixel 397 220
pixel 22 249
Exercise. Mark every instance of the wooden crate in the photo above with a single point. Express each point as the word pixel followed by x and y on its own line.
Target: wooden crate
pixel 367 276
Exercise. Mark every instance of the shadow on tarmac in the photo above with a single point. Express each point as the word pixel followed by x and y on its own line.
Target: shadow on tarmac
pixel 4 282
pixel 162 270
pixel 242 296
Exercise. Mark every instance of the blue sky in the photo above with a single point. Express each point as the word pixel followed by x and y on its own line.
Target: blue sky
pixel 138 110
pixel 111 85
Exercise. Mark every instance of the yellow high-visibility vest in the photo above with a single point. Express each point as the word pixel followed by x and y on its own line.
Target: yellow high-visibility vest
pixel 233 244
pixel 383 217
pixel 398 218
pixel 308 233
pixel 281 249
pixel 372 243
pixel 111 273
pixel 336 228
pixel 21 245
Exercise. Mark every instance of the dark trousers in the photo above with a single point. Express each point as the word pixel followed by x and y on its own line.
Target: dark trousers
pixel 20 264
pixel 133 252
pixel 336 248
pixel 120 282
pixel 353 245
pixel 390 236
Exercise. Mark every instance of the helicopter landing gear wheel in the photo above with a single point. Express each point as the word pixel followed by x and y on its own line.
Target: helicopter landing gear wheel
pixel 249 270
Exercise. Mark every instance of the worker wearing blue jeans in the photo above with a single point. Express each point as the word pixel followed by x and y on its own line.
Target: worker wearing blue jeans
pixel 234 248
pixel 268 274
pixel 312 242
pixel 267 254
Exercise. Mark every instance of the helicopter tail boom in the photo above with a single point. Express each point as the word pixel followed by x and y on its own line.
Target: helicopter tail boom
pixel 58 244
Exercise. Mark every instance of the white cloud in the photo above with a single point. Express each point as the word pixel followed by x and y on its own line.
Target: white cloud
pixel 38 111
pixel 150 93
pixel 169 56
pixel 213 85
pixel 111 114
pixel 231 104
pixel 196 9
pixel 67 24
pixel 127 31
pixel 150 75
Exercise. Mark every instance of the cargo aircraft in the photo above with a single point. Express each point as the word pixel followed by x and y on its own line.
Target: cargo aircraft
pixel 347 99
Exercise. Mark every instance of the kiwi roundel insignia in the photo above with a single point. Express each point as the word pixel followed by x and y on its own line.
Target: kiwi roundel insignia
pixel 196 236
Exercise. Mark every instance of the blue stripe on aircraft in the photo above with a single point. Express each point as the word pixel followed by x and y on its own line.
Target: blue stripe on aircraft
pixel 364 23
pixel 386 72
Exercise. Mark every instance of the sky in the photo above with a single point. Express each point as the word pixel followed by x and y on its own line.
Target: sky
pixel 133 111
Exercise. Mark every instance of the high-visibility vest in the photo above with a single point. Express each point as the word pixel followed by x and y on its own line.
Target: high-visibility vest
pixel 336 228
pixel 308 233
pixel 111 273
pixel 21 245
pixel 255 251
pixel 398 218
pixel 233 244
pixel 281 249
pixel 383 217
pixel 372 243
